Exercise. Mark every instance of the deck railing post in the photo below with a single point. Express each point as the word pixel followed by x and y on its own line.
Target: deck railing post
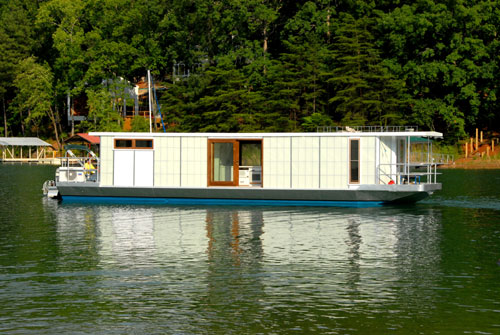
pixel 408 161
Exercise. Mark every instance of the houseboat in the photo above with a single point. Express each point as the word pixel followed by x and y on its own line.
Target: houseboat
pixel 338 167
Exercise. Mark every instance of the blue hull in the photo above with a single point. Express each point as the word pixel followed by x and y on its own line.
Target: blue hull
pixel 219 202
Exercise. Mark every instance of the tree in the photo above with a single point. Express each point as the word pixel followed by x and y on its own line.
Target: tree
pixel 230 100
pixel 447 55
pixel 34 83
pixel 297 86
pixel 101 113
pixel 365 90
pixel 16 41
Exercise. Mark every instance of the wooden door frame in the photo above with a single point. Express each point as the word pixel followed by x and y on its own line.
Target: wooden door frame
pixel 236 157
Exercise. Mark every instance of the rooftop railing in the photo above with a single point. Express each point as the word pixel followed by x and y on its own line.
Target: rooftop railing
pixel 366 129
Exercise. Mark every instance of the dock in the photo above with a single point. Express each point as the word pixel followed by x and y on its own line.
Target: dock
pixel 27 150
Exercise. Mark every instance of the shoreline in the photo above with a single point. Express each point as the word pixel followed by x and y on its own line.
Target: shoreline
pixel 474 165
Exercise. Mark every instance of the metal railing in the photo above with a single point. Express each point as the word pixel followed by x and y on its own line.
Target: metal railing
pixel 366 129
pixel 404 173
pixel 91 175
pixel 423 157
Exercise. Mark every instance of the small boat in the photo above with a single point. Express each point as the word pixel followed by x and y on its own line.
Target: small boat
pixel 340 167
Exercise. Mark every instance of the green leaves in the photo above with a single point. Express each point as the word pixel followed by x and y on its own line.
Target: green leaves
pixel 262 65
pixel 101 113
pixel 447 60
pixel 366 92
pixel 34 98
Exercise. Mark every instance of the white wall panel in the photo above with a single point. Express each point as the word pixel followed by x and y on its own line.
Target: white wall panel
pixel 159 161
pixel 305 162
pixel 276 162
pixel 367 160
pixel 193 162
pixel 334 162
pixel 167 162
pixel 106 161
pixel 172 164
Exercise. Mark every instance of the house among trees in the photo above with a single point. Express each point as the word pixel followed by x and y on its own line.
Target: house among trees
pixel 125 99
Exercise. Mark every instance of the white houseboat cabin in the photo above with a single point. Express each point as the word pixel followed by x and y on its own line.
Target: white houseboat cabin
pixel 323 168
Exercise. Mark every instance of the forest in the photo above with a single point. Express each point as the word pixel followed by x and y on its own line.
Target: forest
pixel 254 65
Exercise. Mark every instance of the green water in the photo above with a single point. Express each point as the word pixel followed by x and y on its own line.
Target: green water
pixel 429 268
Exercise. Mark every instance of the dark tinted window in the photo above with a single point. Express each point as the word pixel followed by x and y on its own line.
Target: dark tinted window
pixel 123 143
pixel 354 161
pixel 143 143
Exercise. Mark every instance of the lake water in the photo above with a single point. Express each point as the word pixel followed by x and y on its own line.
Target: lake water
pixel 428 268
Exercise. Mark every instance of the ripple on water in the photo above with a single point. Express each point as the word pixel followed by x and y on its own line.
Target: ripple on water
pixel 160 269
pixel 465 202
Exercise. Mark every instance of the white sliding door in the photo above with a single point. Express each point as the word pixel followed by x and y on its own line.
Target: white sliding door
pixel 123 168
pixel 144 168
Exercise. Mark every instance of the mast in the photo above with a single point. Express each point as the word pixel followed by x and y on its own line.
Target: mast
pixel 149 98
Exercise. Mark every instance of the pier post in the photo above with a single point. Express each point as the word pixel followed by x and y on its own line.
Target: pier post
pixel 471 145
pixel 477 144
pixel 488 151
pixel 466 147
pixel 481 141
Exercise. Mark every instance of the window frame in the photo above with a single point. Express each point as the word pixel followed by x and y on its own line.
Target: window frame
pixel 236 161
pixel 358 160
pixel 134 146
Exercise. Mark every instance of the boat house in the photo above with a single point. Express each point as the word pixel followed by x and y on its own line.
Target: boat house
pixel 24 149
pixel 342 165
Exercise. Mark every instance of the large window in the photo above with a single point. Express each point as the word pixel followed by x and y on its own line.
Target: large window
pixel 354 161
pixel 250 153
pixel 227 159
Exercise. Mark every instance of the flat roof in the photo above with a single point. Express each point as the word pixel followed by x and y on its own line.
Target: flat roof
pixel 23 142
pixel 263 135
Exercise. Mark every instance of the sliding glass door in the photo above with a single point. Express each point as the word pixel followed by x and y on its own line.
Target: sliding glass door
pixel 223 158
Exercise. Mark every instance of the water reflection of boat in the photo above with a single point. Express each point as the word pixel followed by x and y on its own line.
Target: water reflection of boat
pixel 355 250
pixel 224 265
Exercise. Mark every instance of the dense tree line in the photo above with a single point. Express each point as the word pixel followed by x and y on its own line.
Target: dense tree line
pixel 254 65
